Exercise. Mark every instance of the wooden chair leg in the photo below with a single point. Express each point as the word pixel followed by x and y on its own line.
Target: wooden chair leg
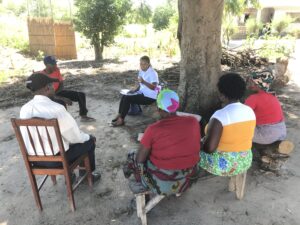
pixel 140 208
pixel 35 191
pixel 70 190
pixel 153 202
pixel 53 178
pixel 232 184
pixel 87 165
pixel 240 185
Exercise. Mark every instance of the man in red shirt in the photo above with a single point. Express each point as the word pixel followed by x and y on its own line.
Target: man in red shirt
pixel 169 150
pixel 67 96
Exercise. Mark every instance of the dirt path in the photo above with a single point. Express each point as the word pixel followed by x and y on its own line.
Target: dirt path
pixel 269 199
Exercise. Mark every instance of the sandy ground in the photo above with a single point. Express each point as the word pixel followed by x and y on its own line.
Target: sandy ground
pixel 271 199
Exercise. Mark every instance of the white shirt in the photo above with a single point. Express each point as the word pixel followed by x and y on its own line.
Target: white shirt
pixel 43 107
pixel 234 113
pixel 150 76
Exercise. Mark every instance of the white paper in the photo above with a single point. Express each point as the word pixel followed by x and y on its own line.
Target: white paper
pixel 125 92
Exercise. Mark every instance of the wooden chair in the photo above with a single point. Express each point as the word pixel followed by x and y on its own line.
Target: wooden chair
pixel 66 169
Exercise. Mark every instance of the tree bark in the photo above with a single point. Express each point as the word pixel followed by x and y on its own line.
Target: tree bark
pixel 98 48
pixel 200 44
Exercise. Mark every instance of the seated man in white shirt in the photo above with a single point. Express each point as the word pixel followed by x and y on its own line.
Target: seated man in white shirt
pixel 75 141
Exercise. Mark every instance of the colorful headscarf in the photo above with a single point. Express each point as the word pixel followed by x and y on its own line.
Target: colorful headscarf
pixel 263 79
pixel 168 100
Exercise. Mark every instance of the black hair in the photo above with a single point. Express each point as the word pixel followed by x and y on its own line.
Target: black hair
pixel 145 58
pixel 232 86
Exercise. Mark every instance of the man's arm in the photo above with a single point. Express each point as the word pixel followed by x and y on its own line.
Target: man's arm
pixel 69 128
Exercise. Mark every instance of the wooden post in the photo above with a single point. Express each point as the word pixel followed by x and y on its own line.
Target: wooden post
pixel 240 185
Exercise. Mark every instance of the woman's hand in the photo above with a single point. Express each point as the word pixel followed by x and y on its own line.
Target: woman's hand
pixel 141 80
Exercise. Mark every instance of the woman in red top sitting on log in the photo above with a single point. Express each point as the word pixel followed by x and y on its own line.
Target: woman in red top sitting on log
pixel 270 125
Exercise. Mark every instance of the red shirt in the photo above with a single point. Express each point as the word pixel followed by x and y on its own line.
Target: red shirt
pixel 57 75
pixel 266 107
pixel 174 142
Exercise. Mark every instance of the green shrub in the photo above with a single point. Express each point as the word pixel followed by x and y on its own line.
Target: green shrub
pixel 281 24
pixel 4 75
pixel 161 17
pixel 13 33
pixel 275 47
pixel 295 32
pixel 229 28
pixel 253 27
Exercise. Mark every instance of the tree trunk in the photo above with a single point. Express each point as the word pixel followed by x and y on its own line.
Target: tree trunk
pixel 200 44
pixel 98 48
pixel 98 52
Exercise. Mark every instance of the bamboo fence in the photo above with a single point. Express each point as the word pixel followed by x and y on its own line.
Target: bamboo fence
pixel 53 38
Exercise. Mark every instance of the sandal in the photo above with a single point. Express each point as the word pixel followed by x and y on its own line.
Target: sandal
pixel 115 119
pixel 87 119
pixel 117 124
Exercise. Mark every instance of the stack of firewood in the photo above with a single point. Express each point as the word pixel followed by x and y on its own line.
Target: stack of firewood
pixel 242 59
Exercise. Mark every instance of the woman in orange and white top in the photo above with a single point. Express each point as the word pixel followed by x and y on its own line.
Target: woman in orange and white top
pixel 228 141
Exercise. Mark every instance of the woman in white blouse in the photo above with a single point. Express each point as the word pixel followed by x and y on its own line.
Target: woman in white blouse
pixel 144 94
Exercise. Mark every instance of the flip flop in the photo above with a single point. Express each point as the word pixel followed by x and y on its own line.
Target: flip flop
pixel 87 119
pixel 115 124
pixel 115 119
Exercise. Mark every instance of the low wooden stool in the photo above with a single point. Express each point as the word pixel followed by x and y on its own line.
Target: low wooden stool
pixel 237 183
pixel 271 157
pixel 142 208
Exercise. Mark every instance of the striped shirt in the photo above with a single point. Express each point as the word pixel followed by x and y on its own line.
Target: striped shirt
pixel 238 121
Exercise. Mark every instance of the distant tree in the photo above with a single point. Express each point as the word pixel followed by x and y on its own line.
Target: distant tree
pixel 100 21
pixel 161 17
pixel 237 7
pixel 141 14
pixel 233 9
pixel 17 9
pixel 40 8
pixel 280 24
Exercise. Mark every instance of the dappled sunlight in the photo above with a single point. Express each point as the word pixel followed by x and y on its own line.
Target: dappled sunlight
pixel 91 128
pixel 292 115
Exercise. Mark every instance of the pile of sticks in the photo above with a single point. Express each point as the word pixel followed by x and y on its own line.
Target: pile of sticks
pixel 242 59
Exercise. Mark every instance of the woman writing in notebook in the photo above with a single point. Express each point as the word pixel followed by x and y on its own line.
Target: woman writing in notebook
pixel 144 94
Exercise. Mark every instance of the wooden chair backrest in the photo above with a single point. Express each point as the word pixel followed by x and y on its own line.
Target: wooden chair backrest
pixel 39 122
